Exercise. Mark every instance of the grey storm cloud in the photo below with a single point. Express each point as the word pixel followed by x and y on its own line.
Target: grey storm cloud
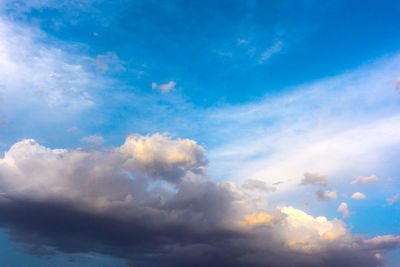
pixel 150 202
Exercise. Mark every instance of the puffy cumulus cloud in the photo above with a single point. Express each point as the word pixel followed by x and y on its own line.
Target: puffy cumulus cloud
pixel 344 209
pixel 254 184
pixel 365 179
pixel 106 200
pixel 160 156
pixel 358 195
pixel 165 87
pixel 325 195
pixel 305 232
pixel 314 179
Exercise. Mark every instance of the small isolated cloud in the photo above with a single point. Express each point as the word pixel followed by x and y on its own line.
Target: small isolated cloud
pixel 358 195
pixel 242 42
pixel 365 179
pixel 165 87
pixel 314 179
pixel 325 195
pixel 93 139
pixel 72 129
pixel 393 199
pixel 270 51
pixel 254 184
pixel 344 209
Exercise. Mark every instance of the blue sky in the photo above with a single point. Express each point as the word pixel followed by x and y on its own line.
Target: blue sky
pixel 277 100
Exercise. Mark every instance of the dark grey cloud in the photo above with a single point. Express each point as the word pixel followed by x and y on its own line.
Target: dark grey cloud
pixel 123 201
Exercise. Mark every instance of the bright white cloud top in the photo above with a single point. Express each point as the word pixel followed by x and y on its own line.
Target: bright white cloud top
pixel 118 185
pixel 230 158
pixel 358 195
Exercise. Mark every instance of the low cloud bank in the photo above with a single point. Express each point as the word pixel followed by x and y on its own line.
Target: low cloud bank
pixel 150 201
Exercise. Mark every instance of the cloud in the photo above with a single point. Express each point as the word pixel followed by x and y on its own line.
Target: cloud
pixel 254 184
pixel 36 74
pixel 358 195
pixel 122 201
pixel 159 156
pixel 343 208
pixel 108 62
pixel 165 87
pixel 72 129
pixel 316 126
pixel 325 195
pixel 93 139
pixel 365 179
pixel 277 47
pixel 242 42
pixel 314 179
pixel 393 199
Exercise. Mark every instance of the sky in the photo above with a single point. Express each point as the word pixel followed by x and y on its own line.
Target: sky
pixel 199 133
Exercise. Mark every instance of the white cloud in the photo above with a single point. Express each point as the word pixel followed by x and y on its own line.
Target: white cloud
pixel 365 179
pixel 328 127
pixel 358 195
pixel 343 208
pixel 277 47
pixel 34 73
pixel 93 139
pixel 242 42
pixel 254 184
pixel 393 199
pixel 314 179
pixel 72 129
pixel 108 62
pixel 306 232
pixel 165 87
pixel 159 155
pixel 325 195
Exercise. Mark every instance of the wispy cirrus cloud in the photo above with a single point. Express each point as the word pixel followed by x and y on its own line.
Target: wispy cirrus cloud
pixel 267 54
pixel 365 179
pixel 317 128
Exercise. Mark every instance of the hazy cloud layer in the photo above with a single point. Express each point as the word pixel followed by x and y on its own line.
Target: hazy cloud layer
pixel 150 202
